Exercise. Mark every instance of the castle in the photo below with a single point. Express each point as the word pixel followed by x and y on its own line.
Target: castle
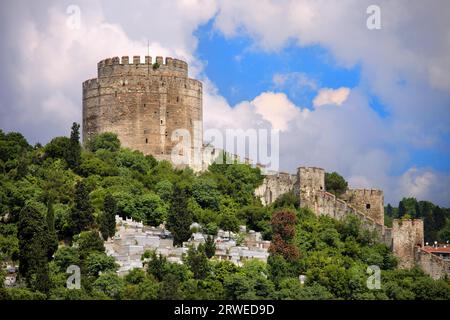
pixel 147 103
pixel 405 238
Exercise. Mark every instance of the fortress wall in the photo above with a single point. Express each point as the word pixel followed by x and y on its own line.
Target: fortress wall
pixel 275 185
pixel 387 238
pixel 327 204
pixel 407 235
pixel 368 201
pixel 431 264
pixel 144 106
pixel 309 185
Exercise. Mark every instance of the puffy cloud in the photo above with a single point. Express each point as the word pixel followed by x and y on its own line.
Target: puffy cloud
pixel 405 64
pixel 296 79
pixel 425 184
pixel 51 59
pixel 276 109
pixel 331 96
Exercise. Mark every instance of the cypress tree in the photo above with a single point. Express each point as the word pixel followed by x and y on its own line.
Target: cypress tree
pixel 179 219
pixel 81 215
pixel 210 246
pixel 74 152
pixel 108 217
pixel 52 236
pixel 401 209
pixel 33 248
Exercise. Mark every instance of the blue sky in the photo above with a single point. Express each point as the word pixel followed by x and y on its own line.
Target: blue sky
pixel 373 105
pixel 241 72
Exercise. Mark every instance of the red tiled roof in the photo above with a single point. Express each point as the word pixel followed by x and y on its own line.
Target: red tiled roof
pixel 437 250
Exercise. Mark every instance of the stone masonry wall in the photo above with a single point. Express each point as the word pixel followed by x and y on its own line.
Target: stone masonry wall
pixel 432 265
pixel 310 180
pixel 275 185
pixel 144 105
pixel 408 234
pixel 327 204
pixel 309 185
pixel 368 201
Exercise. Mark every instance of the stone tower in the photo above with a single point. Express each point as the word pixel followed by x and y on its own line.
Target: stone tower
pixel 368 201
pixel 146 105
pixel 406 236
pixel 310 180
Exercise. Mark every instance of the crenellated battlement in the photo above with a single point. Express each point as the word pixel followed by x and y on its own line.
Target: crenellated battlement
pixel 144 100
pixel 366 192
pixel 169 63
pixel 310 169
pixel 91 83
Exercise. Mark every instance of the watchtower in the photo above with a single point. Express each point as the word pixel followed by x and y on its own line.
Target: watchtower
pixel 310 180
pixel 146 104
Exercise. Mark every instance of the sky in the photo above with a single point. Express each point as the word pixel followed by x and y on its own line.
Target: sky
pixel 371 104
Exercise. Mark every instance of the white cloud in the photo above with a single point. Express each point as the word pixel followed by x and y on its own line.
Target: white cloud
pixel 296 79
pixel 425 184
pixel 331 96
pixel 405 64
pixel 51 60
pixel 402 63
pixel 276 109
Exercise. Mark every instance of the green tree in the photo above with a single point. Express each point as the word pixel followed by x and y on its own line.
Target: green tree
pixel 205 193
pixel 287 200
pixel 179 218
pixel 157 265
pixel 444 234
pixel 81 214
pixel 88 242
pixel 135 276
pixel 107 141
pixel 109 284
pixel 256 218
pixel 108 217
pixel 33 246
pixel 52 236
pixel 97 262
pixel 210 246
pixel 197 261
pixel 12 146
pixel 74 152
pixel 291 288
pixel 238 181
pixel 135 160
pixel 335 183
pixel 9 243
pixel 151 208
pixel 92 165
pixel 229 222
pixel 66 256
pixel 147 289
pixel 170 288
pixel 164 189
pixel 389 210
pixel 59 148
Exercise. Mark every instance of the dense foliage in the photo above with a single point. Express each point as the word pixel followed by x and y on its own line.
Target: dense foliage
pixel 58 201
pixel 335 183
pixel 436 219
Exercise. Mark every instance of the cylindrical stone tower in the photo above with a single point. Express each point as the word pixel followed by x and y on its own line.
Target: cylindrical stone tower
pixel 144 103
